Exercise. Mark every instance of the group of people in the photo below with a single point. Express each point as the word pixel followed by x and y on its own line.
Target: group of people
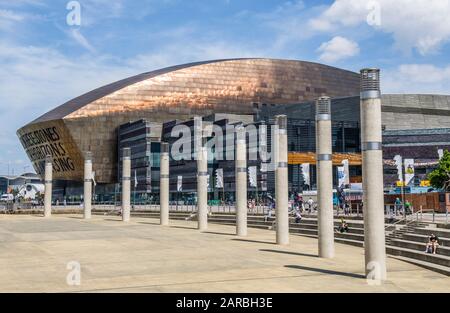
pixel 296 208
pixel 400 208
pixel 298 203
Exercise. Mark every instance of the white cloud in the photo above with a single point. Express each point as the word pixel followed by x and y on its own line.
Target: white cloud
pixel 185 52
pixel 10 15
pixel 19 3
pixel 337 49
pixel 420 24
pixel 95 11
pixel 79 38
pixel 417 78
pixel 34 80
pixel 283 26
pixel 9 18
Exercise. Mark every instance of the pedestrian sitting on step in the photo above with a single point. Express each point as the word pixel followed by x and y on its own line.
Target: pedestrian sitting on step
pixel 433 243
pixel 343 228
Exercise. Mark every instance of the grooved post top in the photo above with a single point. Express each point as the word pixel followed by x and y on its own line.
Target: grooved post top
pixel 126 152
pixel 164 147
pixel 370 83
pixel 88 156
pixel 48 159
pixel 323 108
pixel 240 133
pixel 281 121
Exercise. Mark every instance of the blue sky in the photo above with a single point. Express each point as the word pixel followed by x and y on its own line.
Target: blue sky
pixel 45 62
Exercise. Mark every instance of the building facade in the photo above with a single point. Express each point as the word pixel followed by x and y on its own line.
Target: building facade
pixel 103 121
pixel 144 142
pixel 239 86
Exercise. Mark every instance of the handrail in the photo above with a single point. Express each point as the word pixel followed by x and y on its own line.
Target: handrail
pixel 405 219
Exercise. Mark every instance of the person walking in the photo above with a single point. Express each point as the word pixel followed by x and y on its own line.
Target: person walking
pixel 397 205
pixel 310 205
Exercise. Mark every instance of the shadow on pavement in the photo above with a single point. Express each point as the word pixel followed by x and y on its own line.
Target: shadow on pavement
pixel 289 252
pixel 217 233
pixel 255 241
pixel 184 227
pixel 323 271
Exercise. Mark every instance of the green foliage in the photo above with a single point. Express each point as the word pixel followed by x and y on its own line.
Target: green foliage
pixel 440 177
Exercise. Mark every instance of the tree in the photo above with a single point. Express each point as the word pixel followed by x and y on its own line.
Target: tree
pixel 440 177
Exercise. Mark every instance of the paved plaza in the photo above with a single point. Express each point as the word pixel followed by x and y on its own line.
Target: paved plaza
pixel 142 256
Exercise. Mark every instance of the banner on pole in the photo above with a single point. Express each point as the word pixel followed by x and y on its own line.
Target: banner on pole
pixel 180 183
pixel 409 171
pixel 346 172
pixel 252 176
pixel 219 178
pixel 305 172
pixel 398 162
pixel 341 175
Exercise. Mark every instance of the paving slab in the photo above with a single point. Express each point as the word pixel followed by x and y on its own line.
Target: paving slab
pixel 142 256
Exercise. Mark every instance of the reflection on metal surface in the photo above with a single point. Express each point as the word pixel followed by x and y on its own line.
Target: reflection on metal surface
pixel 337 158
pixel 89 122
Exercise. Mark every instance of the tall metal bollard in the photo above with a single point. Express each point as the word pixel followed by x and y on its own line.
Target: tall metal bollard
pixel 202 189
pixel 325 214
pixel 372 170
pixel 126 184
pixel 241 182
pixel 281 182
pixel 87 185
pixel 164 184
pixel 48 186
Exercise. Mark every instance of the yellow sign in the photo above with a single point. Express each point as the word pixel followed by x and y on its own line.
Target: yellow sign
pixel 400 184
pixel 425 183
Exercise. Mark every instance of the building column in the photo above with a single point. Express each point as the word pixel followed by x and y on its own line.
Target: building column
pixel 372 171
pixel 324 154
pixel 126 182
pixel 48 180
pixel 87 185
pixel 281 181
pixel 164 184
pixel 241 182
pixel 202 189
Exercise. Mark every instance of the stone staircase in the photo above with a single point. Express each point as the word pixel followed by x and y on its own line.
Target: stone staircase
pixel 406 242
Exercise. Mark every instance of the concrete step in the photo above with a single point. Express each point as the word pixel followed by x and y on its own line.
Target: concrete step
pixel 302 224
pixel 424 238
pixel 441 233
pixel 417 255
pixel 304 231
pixel 427 265
pixel 356 243
pixel 443 225
pixel 419 246
pixel 357 237
pixel 291 219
